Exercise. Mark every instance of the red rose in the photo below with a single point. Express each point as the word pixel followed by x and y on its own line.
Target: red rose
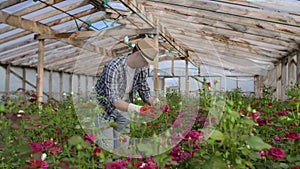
pixel 276 153
pixel 90 137
pixel 296 167
pixel 165 108
pixel 47 143
pixel 38 163
pixel 146 110
pixel 292 135
pixel 35 146
pixel 55 149
pixel 96 151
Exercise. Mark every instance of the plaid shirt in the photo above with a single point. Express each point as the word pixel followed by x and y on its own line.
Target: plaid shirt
pixel 111 84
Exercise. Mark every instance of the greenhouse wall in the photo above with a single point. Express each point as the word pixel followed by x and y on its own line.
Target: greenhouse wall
pixel 278 79
pixel 56 85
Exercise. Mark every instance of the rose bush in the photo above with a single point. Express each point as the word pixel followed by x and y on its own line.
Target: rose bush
pixel 248 133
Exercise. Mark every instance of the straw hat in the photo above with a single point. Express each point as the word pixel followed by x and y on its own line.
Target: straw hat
pixel 147 48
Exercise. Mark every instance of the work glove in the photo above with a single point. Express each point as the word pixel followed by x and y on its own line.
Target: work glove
pixel 133 108
pixel 156 101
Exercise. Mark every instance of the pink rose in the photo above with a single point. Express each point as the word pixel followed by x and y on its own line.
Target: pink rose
pixel 276 153
pixel 165 108
pixel 47 143
pixel 90 137
pixel 292 135
pixel 276 138
pixel 261 122
pixel 120 164
pixel 262 153
pixel 282 113
pixel 38 163
pixel 55 149
pixel 35 146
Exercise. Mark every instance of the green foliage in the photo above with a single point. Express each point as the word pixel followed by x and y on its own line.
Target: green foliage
pixel 233 128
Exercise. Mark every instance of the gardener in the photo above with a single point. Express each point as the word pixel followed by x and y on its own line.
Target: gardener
pixel 121 78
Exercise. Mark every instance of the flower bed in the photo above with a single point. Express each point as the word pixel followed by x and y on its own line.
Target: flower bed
pixel 228 131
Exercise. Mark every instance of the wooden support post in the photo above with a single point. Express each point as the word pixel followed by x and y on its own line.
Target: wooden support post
pixel 298 67
pixel 86 86
pixel 50 85
pixel 179 84
pixel 60 85
pixel 7 80
pixel 40 71
pixel 24 78
pixel 187 81
pixel 95 80
pixel 79 87
pixel 291 72
pixel 155 66
pixel 24 81
pixel 172 68
pixel 163 84
pixel 283 78
pixel 257 86
pixel 278 81
pixel 71 84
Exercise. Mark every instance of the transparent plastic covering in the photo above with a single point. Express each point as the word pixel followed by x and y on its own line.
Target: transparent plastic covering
pixel 165 69
pixel 278 5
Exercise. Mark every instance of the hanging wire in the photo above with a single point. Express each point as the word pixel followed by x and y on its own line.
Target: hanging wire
pixel 88 24
pixel 106 4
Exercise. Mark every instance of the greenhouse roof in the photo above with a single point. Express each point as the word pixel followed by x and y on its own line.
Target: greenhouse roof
pixel 81 35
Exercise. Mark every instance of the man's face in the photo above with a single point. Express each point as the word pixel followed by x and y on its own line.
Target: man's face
pixel 139 60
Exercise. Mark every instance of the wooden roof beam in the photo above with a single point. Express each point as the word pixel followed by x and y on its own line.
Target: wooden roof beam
pixel 117 31
pixel 26 58
pixel 43 29
pixel 238 10
pixel 235 22
pixel 5 55
pixel 148 18
pixel 205 27
pixel 256 50
pixel 70 60
pixel 31 9
pixel 225 64
pixel 52 23
pixel 9 3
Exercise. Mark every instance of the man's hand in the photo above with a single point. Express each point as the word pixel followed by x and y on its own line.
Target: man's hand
pixel 154 101
pixel 133 108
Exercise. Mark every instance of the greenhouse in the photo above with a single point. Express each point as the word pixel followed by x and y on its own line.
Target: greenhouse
pixel 193 84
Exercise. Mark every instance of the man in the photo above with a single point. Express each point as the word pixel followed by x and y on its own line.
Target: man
pixel 121 78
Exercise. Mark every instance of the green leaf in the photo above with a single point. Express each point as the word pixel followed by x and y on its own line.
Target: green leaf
pixel 248 121
pixel 235 115
pixel 283 165
pixel 256 143
pixel 74 140
pixel 217 135
pixel 146 148
pixel 254 156
pixel 2 108
pixel 25 148
pixel 215 162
